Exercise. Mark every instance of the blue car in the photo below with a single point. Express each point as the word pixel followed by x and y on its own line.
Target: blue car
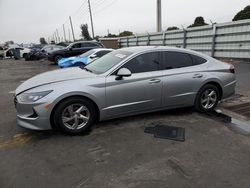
pixel 83 59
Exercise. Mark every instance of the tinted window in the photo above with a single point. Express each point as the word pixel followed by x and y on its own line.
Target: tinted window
pixel 101 53
pixel 144 63
pixel 89 44
pixel 77 45
pixel 174 60
pixel 198 60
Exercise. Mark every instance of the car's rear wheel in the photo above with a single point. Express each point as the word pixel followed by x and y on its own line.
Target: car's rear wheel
pixel 207 98
pixel 57 59
pixel 74 115
pixel 24 55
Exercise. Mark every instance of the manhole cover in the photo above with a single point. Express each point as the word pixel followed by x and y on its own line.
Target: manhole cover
pixel 242 109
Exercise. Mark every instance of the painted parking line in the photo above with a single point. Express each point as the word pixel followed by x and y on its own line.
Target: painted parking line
pixel 12 92
pixel 17 140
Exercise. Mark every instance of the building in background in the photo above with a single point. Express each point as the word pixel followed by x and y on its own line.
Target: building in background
pixel 109 42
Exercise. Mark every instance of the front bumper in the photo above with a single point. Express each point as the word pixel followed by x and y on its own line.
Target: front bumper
pixel 33 115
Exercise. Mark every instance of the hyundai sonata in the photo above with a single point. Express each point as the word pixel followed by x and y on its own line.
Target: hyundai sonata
pixel 124 82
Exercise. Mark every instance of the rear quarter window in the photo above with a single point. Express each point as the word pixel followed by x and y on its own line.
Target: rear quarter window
pixel 198 60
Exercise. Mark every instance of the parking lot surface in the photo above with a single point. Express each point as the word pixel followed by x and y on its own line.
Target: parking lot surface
pixel 118 153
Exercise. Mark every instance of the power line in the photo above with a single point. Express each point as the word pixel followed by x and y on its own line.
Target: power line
pixel 105 7
pixel 84 9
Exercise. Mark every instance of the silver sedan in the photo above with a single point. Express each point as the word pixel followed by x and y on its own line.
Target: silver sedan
pixel 125 82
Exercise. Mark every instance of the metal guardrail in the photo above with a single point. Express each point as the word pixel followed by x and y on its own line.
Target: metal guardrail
pixel 226 40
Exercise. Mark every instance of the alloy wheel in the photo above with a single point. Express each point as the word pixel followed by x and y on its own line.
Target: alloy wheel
pixel 75 116
pixel 209 99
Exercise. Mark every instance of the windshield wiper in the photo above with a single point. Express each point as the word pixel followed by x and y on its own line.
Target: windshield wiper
pixel 83 67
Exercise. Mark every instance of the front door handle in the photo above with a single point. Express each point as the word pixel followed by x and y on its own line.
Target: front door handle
pixel 154 81
pixel 198 76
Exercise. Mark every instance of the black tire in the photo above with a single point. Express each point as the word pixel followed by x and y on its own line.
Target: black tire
pixel 57 58
pixel 60 109
pixel 25 55
pixel 199 106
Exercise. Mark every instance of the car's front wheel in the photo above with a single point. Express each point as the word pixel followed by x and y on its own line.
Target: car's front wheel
pixel 207 98
pixel 57 59
pixel 74 115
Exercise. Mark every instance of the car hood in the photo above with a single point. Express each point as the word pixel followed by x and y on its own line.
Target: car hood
pixel 69 58
pixel 53 77
pixel 67 62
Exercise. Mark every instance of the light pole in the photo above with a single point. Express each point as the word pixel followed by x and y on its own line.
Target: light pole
pixel 73 34
pixel 159 20
pixel 91 19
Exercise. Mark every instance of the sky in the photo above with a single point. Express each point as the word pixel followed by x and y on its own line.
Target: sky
pixel 25 21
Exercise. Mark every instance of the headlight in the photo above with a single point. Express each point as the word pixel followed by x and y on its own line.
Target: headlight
pixel 32 97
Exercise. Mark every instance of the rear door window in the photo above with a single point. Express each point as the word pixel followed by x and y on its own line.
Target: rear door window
pixel 174 60
pixel 101 53
pixel 77 45
pixel 88 44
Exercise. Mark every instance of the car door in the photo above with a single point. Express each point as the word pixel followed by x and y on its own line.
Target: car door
pixel 74 50
pixel 139 92
pixel 183 75
pixel 86 46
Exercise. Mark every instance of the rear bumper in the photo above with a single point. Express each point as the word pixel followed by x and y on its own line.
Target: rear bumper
pixel 229 90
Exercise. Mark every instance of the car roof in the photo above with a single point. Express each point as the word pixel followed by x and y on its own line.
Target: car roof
pixel 139 49
pixel 102 49
pixel 85 42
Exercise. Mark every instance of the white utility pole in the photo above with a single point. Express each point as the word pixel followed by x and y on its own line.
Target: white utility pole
pixel 73 34
pixel 159 20
pixel 64 34
pixel 91 19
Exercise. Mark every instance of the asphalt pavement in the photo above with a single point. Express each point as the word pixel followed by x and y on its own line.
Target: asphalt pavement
pixel 117 153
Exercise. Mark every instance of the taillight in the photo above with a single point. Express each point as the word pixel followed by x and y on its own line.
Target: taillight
pixel 232 70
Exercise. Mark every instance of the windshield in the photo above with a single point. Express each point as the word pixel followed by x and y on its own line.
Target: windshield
pixel 108 61
pixel 88 53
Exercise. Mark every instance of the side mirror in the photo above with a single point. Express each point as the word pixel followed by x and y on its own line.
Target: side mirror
pixel 123 72
pixel 93 56
pixel 70 48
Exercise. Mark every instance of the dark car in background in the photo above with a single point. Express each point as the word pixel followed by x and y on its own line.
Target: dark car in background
pixel 74 49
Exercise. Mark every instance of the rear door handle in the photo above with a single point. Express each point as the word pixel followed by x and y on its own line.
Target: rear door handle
pixel 198 76
pixel 154 81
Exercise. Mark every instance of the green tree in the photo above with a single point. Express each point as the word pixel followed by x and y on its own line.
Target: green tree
pixel 85 32
pixel 199 21
pixel 243 14
pixel 172 28
pixel 43 41
pixel 126 34
pixel 111 35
